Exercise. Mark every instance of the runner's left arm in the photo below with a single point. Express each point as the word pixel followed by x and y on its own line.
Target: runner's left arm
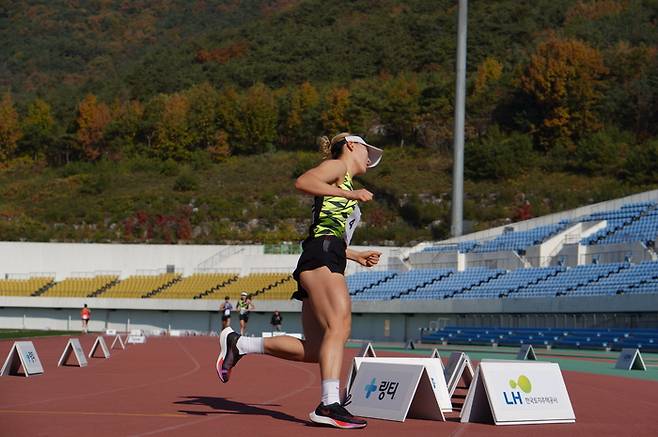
pixel 367 258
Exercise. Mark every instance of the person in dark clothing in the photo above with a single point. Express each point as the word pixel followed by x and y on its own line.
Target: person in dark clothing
pixel 276 321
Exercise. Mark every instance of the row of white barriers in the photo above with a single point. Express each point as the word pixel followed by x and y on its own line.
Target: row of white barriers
pixel 24 355
pixel 503 392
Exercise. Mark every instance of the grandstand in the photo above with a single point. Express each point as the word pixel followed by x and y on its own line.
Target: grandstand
pixel 25 287
pixel 196 286
pixel 393 286
pixel 141 285
pixel 594 339
pixel 632 222
pixel 509 283
pixel 455 284
pixel 81 286
pixel 280 290
pixel 253 284
pixel 594 268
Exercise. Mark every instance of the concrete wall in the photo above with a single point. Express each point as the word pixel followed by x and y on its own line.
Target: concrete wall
pixel 507 260
pixel 70 259
pixel 64 259
pixel 613 253
pixel 381 321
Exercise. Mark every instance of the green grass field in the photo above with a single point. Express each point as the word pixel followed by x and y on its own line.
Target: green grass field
pixel 31 333
pixel 588 361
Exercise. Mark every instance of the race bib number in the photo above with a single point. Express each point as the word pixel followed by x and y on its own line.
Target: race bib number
pixel 351 224
pixel 227 312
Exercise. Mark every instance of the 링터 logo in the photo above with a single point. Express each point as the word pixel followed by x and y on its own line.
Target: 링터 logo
pixel 370 388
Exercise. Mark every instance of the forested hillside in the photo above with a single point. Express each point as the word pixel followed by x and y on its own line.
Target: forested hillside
pixel 187 121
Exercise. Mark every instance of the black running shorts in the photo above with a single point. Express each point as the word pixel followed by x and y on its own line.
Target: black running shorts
pixel 326 250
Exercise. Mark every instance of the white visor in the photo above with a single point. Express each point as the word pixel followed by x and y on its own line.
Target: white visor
pixel 374 153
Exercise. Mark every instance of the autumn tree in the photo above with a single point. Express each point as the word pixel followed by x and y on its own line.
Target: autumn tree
pixel 302 119
pixel 93 117
pixel 334 116
pixel 485 95
pixel 10 131
pixel 165 127
pixel 563 83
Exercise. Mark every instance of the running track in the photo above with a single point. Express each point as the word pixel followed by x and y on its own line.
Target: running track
pixel 168 387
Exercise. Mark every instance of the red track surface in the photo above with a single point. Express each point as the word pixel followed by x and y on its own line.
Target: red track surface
pixel 169 387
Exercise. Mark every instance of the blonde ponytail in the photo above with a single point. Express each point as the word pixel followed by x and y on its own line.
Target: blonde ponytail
pixel 325 147
pixel 334 148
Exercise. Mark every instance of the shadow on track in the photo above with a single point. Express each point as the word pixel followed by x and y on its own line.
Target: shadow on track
pixel 227 406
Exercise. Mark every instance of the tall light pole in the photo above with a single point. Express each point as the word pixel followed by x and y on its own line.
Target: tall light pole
pixel 460 97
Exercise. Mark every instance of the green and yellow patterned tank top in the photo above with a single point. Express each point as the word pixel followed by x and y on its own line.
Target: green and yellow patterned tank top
pixel 333 215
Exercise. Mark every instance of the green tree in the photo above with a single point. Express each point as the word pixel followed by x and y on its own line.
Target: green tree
pixel 400 110
pixel 602 152
pixel 641 163
pixel 10 130
pixel 203 117
pixel 259 117
pixel 631 97
pixel 122 133
pixel 497 155
pixel 167 128
pixel 39 129
pixel 230 120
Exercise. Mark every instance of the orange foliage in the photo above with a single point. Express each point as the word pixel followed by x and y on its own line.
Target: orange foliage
pixel 630 62
pixel 490 70
pixel 223 54
pixel 301 101
pixel 10 131
pixel 334 117
pixel 564 80
pixel 594 10
pixel 92 119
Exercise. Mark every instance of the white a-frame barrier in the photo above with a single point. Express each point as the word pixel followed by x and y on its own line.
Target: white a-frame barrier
pixel 119 342
pixel 23 354
pixel 366 351
pixel 459 368
pixel 526 352
pixel 394 391
pixel 630 359
pixel 432 367
pixel 73 345
pixel 508 392
pixel 100 341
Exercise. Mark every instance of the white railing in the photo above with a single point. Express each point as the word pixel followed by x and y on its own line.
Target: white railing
pixel 26 276
pixel 282 270
pixel 156 272
pixel 226 253
pixel 211 270
pixel 94 274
